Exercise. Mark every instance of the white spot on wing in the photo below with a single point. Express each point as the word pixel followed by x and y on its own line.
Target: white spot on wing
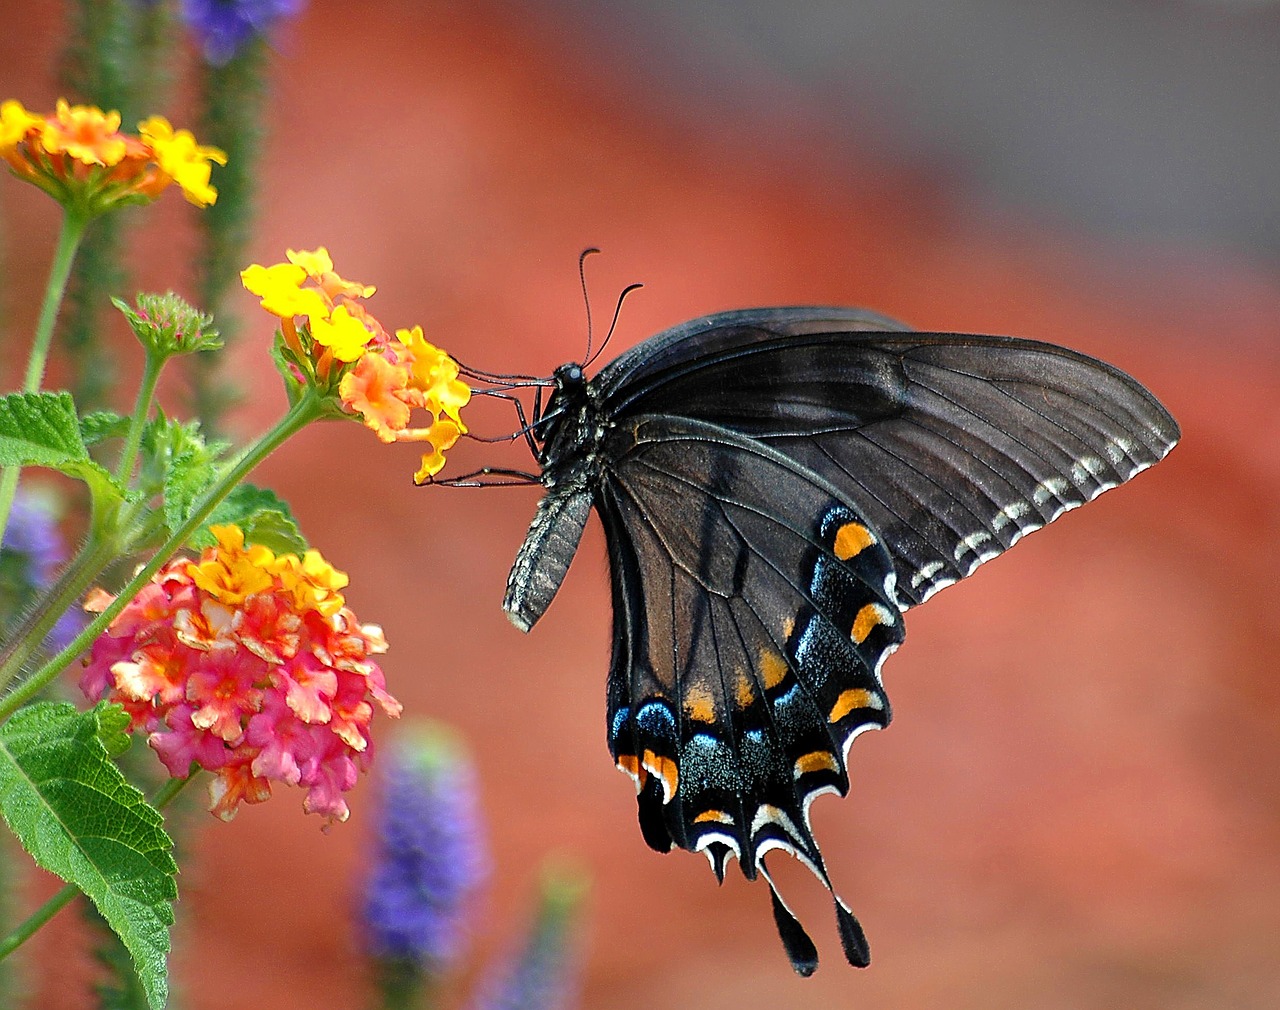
pixel 971 543
pixel 925 574
pixel 1052 487
pixel 1009 514
pixel 1086 468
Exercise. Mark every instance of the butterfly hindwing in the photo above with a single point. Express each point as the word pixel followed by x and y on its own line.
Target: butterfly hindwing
pixel 754 609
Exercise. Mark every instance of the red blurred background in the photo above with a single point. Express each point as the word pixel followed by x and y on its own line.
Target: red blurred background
pixel 1078 804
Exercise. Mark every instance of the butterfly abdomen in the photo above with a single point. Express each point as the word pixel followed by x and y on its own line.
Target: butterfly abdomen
pixel 572 429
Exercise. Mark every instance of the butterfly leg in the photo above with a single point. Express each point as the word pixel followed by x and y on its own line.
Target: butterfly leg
pixel 518 478
pixel 525 429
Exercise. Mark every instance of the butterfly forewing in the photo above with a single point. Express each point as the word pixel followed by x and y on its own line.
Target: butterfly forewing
pixel 952 446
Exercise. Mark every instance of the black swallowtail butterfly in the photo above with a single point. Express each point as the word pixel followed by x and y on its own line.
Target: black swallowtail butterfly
pixel 777 486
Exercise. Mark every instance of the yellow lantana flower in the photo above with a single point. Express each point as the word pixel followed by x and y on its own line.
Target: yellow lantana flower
pixel 280 288
pixel 15 123
pixel 183 160
pixel 312 581
pixel 436 374
pixel 344 334
pixel 319 267
pixel 441 437
pixel 331 342
pixel 233 573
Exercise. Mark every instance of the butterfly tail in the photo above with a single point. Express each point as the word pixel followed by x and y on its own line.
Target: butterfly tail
pixel 801 952
pixel 856 949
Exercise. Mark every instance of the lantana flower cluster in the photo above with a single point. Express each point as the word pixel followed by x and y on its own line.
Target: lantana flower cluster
pixel 80 157
pixel 330 341
pixel 250 665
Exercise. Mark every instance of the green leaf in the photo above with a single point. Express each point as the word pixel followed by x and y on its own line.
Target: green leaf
pixel 78 817
pixel 40 429
pixel 101 425
pixel 177 462
pixel 264 516
pixel 189 476
pixel 107 494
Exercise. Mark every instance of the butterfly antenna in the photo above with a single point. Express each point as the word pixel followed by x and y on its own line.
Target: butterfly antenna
pixel 512 378
pixel 586 299
pixel 616 312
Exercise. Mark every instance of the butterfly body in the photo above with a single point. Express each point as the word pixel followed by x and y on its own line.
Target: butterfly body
pixel 777 487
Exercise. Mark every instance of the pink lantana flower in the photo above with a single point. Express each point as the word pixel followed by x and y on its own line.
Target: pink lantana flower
pixel 250 666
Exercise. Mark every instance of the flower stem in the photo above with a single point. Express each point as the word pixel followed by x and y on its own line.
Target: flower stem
pixel 28 927
pixel 141 410
pixel 73 225
pixel 402 984
pixel 307 408
pixel 28 636
pixel 66 894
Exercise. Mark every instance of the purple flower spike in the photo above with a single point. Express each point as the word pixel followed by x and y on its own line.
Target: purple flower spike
pixel 30 557
pixel 430 856
pixel 543 973
pixel 224 26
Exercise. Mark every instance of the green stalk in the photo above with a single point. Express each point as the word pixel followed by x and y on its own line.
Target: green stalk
pixel 402 984
pixel 29 635
pixel 31 925
pixel 73 225
pixel 141 410
pixel 26 929
pixel 309 407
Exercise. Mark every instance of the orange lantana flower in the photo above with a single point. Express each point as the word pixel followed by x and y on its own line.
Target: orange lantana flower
pixel 80 157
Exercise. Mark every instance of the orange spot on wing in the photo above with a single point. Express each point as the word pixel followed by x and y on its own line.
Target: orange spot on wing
pixel 630 764
pixel 719 816
pixel 852 539
pixel 666 769
pixel 699 705
pixel 773 668
pixel 868 617
pixel 850 700
pixel 816 761
pixel 744 691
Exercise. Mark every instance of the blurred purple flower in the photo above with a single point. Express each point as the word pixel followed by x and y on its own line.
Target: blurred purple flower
pixel 430 856
pixel 30 557
pixel 224 26
pixel 542 975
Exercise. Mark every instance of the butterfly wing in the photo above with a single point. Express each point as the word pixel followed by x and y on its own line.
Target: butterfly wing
pixel 753 609
pixel 776 486
pixel 951 446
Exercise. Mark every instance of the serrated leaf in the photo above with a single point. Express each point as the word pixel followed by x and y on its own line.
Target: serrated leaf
pixel 189 475
pixel 40 429
pixel 177 462
pixel 101 425
pixel 264 516
pixel 78 817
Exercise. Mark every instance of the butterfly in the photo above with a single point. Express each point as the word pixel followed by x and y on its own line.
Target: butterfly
pixel 777 488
